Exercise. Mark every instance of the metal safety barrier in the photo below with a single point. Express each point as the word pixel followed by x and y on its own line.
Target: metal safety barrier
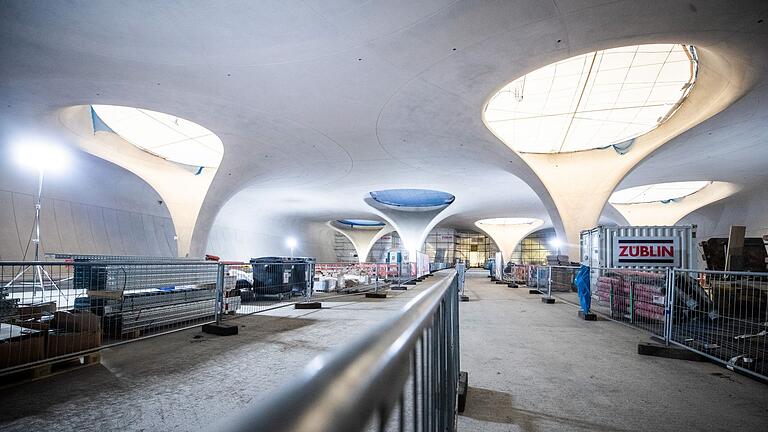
pixel 635 297
pixel 516 273
pixel 722 316
pixel 51 311
pixel 401 375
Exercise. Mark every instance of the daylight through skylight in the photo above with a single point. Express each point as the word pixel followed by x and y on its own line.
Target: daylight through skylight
pixel 164 135
pixel 592 100
pixel 657 192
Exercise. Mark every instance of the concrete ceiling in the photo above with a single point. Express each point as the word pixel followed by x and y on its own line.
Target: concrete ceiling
pixel 320 102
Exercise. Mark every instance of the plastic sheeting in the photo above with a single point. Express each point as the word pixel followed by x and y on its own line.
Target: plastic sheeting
pixel 582 284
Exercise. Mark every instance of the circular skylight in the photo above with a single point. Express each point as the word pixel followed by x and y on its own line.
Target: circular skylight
pixel 508 221
pixel 412 198
pixel 593 100
pixel 660 192
pixel 364 223
pixel 164 135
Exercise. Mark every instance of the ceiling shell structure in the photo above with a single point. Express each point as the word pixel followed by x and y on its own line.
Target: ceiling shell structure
pixel 592 100
pixel 318 103
pixel 165 135
pixel 660 192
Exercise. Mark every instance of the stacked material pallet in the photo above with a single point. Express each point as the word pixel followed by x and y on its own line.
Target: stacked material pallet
pixel 634 294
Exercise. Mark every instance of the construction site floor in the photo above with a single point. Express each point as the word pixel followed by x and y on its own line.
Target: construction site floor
pixel 538 367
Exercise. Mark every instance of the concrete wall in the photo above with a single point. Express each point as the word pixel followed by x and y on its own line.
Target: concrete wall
pixel 89 206
pixel 251 238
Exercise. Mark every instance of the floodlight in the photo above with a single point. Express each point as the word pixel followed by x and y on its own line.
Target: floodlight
pixel 41 155
pixel 290 242
pixel 556 243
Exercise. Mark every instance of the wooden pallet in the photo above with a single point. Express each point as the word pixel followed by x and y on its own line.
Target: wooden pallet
pixel 50 369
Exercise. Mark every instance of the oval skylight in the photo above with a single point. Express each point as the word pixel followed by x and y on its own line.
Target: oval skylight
pixel 509 221
pixel 412 198
pixel 659 192
pixel 592 100
pixel 164 135
pixel 365 223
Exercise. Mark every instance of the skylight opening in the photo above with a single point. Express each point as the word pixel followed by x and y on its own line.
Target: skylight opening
pixel 593 100
pixel 412 198
pixel 509 221
pixel 361 223
pixel 164 135
pixel 660 192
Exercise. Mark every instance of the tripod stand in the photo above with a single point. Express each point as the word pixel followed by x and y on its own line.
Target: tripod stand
pixel 39 274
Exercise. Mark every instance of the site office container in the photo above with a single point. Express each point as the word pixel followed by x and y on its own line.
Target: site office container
pixel 641 247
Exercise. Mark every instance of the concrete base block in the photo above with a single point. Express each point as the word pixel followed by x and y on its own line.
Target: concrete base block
pixel 511 285
pixel 589 316
pixel 378 295
pixel 498 282
pixel 399 288
pixel 672 352
pixel 463 386
pixel 309 305
pixel 533 291
pixel 410 283
pixel 464 298
pixel 493 279
pixel 220 329
pixel 547 300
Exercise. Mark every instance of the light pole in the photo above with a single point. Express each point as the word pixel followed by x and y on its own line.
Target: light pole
pixel 40 157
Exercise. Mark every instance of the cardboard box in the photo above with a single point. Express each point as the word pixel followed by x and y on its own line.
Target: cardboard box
pixel 35 310
pixel 19 346
pixel 62 343
pixel 75 321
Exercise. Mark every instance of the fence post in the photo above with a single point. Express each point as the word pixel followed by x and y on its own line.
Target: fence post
pixel 669 310
pixel 549 282
pixel 219 292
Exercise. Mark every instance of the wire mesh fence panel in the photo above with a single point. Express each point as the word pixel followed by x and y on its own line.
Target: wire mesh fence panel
pixel 724 316
pixel 561 278
pixel 635 297
pixel 538 279
pixel 55 310
pixel 516 273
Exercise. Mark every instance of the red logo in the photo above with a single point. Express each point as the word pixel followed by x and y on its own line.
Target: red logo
pixel 647 251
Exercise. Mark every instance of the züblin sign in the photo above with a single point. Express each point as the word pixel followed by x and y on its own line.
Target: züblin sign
pixel 646 251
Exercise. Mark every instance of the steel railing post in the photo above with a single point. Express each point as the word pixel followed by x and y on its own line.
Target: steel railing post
pixel 549 282
pixel 670 315
pixel 219 292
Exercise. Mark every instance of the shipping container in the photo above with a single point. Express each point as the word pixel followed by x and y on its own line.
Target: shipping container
pixel 645 247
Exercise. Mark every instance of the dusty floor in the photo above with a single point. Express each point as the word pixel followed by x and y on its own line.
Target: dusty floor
pixel 537 367
pixel 189 380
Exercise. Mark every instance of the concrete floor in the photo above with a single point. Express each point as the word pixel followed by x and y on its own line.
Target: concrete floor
pixel 189 380
pixel 532 367
pixel 537 367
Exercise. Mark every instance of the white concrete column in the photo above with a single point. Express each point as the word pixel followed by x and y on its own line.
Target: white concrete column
pixel 412 226
pixel 660 213
pixel 507 234
pixel 363 239
pixel 580 183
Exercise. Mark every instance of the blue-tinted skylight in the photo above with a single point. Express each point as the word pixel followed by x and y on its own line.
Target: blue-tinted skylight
pixel 360 222
pixel 412 197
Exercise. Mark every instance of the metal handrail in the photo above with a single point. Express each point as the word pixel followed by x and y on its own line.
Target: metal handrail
pixel 342 391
